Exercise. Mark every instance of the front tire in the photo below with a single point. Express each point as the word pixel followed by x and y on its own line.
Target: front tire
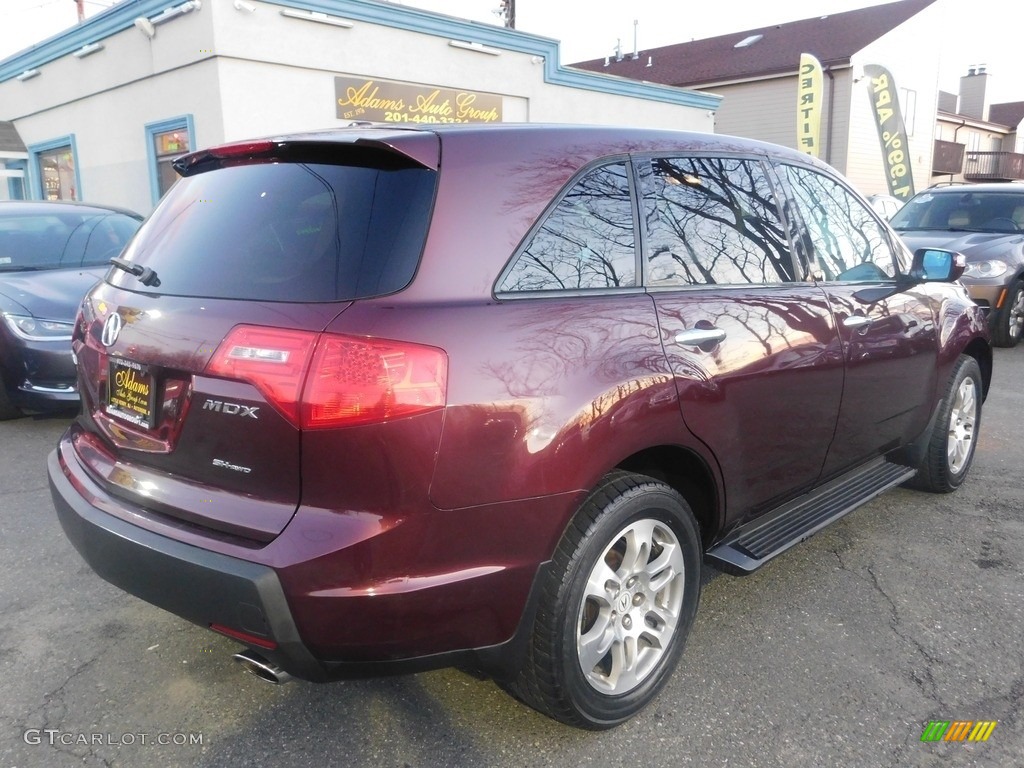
pixel 1009 321
pixel 951 447
pixel 616 606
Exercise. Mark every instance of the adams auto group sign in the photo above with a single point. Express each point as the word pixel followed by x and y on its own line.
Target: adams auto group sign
pixel 391 102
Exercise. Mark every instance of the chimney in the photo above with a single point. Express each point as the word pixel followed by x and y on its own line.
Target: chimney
pixel 974 99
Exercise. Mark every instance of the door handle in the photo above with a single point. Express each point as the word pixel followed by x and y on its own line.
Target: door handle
pixel 857 321
pixel 700 336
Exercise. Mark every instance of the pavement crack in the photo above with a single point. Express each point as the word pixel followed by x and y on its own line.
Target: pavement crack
pixel 53 710
pixel 925 679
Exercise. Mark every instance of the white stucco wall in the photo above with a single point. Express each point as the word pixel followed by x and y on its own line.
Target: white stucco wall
pixel 241 74
pixel 104 101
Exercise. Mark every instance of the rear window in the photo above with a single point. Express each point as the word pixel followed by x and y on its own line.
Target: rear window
pixel 286 231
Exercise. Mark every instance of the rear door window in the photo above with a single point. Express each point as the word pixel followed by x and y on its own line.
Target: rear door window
pixel 286 231
pixel 587 241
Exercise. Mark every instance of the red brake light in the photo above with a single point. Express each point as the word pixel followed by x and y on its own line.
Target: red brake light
pixel 350 380
pixel 242 149
pixel 272 360
pixel 360 381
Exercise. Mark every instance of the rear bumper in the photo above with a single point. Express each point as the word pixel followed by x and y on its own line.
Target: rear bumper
pixel 208 587
pixel 314 614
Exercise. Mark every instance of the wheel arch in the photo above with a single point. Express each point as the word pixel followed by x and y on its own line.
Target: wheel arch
pixel 981 351
pixel 687 473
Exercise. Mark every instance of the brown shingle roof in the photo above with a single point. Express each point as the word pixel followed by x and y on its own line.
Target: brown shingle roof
pixel 10 141
pixel 1010 113
pixel 834 39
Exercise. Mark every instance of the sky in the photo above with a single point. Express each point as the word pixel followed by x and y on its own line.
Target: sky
pixel 970 32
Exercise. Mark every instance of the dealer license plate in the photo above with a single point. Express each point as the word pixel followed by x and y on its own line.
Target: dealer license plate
pixel 131 392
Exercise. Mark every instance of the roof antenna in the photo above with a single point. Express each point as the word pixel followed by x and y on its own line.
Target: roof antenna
pixel 636 54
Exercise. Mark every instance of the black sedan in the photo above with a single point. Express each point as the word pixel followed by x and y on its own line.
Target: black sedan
pixel 50 255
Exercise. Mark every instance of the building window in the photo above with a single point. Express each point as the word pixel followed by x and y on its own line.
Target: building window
pixel 166 141
pixel 908 102
pixel 54 167
pixel 974 141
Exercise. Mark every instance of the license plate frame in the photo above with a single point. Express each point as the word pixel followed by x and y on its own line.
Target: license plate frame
pixel 131 392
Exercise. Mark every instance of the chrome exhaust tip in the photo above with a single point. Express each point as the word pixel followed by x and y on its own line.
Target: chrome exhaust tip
pixel 255 664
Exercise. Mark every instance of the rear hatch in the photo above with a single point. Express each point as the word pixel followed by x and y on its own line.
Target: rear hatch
pixel 194 353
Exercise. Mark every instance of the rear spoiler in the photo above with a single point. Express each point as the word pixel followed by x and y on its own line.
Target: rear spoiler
pixel 391 150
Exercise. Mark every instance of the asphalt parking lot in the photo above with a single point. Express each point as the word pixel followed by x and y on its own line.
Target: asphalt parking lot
pixel 838 653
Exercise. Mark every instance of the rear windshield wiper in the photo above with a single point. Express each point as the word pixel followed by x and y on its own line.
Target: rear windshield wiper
pixel 146 275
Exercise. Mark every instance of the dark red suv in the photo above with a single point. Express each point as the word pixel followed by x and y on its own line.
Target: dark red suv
pixel 389 398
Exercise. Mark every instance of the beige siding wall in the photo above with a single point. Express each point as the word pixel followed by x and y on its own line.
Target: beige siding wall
pixel 766 109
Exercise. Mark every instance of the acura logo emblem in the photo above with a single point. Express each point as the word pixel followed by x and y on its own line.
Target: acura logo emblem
pixel 111 328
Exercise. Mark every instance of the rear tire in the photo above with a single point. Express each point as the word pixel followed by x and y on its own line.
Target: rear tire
pixel 616 606
pixel 1009 321
pixel 951 446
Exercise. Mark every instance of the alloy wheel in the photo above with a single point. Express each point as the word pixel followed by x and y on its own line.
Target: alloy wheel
pixel 963 417
pixel 631 607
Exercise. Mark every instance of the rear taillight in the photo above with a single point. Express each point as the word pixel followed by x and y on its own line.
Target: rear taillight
pixel 361 381
pixel 350 380
pixel 271 359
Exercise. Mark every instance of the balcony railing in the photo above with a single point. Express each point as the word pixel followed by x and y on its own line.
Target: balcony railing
pixel 994 166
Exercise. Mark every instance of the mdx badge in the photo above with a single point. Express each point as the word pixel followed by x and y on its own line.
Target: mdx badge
pixel 111 328
pixel 232 409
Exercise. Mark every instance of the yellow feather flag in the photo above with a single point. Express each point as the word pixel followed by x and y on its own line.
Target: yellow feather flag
pixel 808 105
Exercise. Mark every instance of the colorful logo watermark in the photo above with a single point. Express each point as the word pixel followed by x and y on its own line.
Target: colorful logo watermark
pixel 959 730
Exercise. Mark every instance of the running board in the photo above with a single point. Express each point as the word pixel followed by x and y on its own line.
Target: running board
pixel 753 544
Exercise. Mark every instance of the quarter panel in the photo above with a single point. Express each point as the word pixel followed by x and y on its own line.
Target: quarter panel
pixel 548 394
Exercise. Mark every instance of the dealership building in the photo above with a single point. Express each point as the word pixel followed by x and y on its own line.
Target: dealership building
pixel 98 112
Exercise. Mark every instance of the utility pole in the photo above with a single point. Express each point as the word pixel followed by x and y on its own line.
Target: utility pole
pixel 508 10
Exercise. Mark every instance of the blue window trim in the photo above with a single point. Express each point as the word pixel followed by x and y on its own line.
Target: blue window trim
pixel 16 165
pixel 35 177
pixel 181 123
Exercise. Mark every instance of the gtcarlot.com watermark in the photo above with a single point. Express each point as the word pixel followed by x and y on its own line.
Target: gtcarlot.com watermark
pixel 56 737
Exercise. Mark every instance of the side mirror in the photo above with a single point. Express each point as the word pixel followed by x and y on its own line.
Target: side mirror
pixel 938 265
pixel 935 265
